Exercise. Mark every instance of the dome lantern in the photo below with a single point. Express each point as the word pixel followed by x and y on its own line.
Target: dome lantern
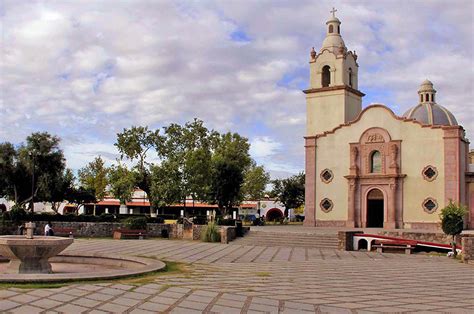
pixel 428 111
pixel 427 92
pixel 333 40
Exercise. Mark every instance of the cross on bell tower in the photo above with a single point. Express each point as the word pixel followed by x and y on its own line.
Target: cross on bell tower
pixel 333 11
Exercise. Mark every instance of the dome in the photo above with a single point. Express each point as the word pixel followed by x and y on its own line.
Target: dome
pixel 431 114
pixel 428 111
pixel 333 41
pixel 333 19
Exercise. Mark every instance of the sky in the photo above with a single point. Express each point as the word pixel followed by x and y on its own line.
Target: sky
pixel 84 70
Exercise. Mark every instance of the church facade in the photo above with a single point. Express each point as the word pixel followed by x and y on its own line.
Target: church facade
pixel 370 167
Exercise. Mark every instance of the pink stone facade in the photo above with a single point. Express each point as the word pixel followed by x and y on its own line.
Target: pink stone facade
pixel 389 180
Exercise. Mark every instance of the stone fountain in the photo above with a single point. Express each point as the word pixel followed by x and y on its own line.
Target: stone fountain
pixel 28 254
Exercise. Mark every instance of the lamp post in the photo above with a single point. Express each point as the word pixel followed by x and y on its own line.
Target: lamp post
pixel 32 203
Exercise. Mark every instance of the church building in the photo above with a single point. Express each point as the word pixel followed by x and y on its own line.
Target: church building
pixel 371 167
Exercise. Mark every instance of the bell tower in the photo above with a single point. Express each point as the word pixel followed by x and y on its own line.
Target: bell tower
pixel 333 97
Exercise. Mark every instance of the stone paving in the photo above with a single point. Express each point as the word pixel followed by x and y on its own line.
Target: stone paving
pixel 253 279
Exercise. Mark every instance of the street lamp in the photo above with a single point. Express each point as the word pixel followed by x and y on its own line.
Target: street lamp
pixel 32 203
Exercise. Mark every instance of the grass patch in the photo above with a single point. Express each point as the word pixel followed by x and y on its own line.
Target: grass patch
pixel 28 286
pixel 172 268
pixel 165 287
pixel 263 274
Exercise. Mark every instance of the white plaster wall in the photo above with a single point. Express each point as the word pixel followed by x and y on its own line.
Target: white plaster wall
pixel 420 146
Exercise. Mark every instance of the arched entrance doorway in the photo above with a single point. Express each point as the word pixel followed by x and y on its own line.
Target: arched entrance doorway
pixel 273 214
pixel 375 209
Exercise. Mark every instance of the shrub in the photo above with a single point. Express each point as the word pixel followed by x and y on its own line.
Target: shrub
pixel 452 221
pixel 136 223
pixel 211 233
pixel 226 222
pixel 200 220
pixel 17 214
pixel 156 220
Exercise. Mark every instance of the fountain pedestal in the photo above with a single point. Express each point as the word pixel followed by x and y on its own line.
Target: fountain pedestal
pixel 29 255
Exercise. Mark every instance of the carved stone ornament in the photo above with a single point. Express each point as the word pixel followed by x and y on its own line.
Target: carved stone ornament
pixel 354 154
pixel 393 155
pixel 375 138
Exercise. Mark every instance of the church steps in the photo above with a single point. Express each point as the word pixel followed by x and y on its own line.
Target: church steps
pixel 259 238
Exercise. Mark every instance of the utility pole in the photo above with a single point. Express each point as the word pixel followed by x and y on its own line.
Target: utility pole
pixel 32 202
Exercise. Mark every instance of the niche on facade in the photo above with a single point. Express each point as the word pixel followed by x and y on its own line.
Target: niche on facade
pixel 376 153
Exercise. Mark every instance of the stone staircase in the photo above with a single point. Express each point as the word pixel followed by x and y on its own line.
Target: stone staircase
pixel 289 239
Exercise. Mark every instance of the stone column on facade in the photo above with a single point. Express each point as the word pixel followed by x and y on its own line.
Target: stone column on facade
pixel 351 204
pixel 310 182
pixel 452 178
pixel 391 207
pixel 393 153
pixel 333 77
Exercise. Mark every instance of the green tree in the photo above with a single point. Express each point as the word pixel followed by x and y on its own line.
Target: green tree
pixel 80 196
pixel 452 221
pixel 189 148
pixel 62 186
pixel 230 161
pixel 94 177
pixel 122 183
pixel 8 170
pixel 226 182
pixel 34 171
pixel 165 185
pixel 134 144
pixel 290 191
pixel 255 182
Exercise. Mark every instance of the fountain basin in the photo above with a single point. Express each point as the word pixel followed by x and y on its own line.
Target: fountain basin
pixel 30 256
pixel 74 266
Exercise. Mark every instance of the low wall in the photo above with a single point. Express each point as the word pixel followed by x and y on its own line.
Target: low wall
pixel 88 229
pixel 346 237
pixel 106 229
pixel 468 248
pixel 430 236
pixel 228 233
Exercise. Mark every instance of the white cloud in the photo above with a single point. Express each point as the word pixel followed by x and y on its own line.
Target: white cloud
pixel 84 70
pixel 263 146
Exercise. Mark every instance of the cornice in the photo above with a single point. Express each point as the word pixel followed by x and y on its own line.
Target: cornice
pixel 333 88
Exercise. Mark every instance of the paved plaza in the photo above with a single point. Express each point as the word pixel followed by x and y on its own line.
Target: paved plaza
pixel 234 278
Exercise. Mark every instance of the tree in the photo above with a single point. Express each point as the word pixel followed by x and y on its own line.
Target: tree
pixel 80 196
pixel 290 191
pixel 452 221
pixel 8 169
pixel 255 182
pixel 134 144
pixel 32 172
pixel 189 148
pixel 122 183
pixel 165 185
pixel 61 187
pixel 226 182
pixel 94 177
pixel 230 161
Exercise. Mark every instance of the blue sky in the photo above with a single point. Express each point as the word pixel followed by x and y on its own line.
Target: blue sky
pixel 84 70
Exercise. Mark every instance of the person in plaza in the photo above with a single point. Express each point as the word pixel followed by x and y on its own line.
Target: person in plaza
pixel 48 229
